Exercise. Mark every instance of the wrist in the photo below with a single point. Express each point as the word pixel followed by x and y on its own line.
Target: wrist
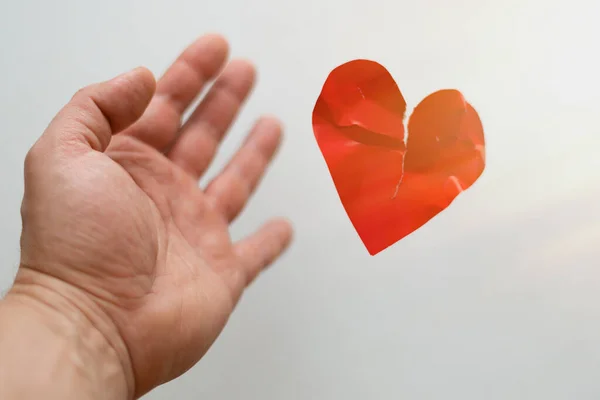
pixel 55 344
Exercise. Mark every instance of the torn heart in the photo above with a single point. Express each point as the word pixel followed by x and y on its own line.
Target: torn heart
pixel 391 185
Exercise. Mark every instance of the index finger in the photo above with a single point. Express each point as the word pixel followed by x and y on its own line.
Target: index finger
pixel 197 65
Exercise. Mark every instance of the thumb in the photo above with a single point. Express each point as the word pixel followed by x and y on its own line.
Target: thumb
pixel 98 111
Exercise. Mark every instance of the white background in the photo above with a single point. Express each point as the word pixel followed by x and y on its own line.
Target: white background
pixel 496 298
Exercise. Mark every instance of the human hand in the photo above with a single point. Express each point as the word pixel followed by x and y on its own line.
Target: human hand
pixel 116 228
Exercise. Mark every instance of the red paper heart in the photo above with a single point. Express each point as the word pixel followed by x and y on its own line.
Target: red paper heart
pixel 390 186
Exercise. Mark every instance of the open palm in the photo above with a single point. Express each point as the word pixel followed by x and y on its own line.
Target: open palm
pixel 112 208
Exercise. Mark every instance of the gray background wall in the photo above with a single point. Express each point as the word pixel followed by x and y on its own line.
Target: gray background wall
pixel 496 298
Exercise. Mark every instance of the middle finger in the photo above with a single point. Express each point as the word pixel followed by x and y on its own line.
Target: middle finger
pixel 201 134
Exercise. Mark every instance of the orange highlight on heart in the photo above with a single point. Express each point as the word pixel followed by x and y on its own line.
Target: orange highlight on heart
pixel 391 184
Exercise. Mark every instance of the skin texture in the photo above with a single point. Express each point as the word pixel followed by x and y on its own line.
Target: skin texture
pixel 118 239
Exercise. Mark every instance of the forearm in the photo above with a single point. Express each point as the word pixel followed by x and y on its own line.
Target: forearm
pixel 45 354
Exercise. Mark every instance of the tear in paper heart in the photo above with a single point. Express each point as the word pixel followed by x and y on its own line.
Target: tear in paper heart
pixel 390 186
